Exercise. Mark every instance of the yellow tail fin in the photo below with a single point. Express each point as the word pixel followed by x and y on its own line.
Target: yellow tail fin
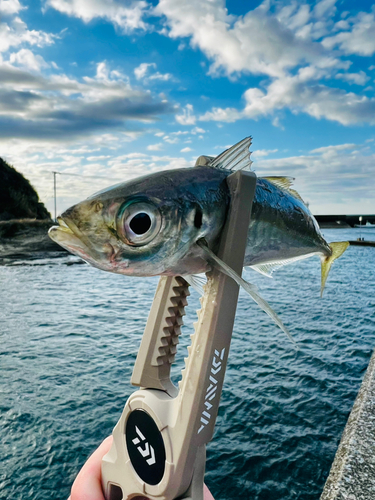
pixel 338 248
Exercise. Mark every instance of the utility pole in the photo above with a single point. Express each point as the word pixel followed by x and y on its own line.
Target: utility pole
pixel 54 192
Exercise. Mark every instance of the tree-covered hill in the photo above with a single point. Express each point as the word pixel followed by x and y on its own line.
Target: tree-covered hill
pixel 18 199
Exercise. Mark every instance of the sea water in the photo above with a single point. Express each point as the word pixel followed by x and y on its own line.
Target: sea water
pixel 69 339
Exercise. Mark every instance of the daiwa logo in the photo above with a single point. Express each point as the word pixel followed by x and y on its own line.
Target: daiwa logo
pixel 148 450
pixel 211 389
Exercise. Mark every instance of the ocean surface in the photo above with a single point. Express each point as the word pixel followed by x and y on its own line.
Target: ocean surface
pixel 69 336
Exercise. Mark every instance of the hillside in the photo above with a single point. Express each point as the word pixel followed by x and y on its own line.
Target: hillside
pixel 24 220
pixel 18 199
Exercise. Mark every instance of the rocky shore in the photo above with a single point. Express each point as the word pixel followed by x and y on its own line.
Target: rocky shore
pixel 27 239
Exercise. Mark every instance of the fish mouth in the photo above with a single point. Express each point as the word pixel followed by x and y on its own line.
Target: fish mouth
pixel 67 235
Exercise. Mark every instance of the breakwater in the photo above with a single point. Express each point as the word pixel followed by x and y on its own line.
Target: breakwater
pixel 337 221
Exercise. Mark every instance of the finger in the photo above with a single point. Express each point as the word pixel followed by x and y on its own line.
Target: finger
pixel 88 485
pixel 207 495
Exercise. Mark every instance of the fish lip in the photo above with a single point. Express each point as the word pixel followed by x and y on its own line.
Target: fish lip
pixel 67 235
pixel 68 225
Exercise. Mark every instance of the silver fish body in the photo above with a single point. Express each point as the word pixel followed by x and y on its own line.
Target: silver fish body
pixel 282 228
pixel 178 207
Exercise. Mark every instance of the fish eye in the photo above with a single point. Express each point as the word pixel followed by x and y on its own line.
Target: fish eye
pixel 138 223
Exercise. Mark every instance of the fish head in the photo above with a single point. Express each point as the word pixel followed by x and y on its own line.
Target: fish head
pixel 145 227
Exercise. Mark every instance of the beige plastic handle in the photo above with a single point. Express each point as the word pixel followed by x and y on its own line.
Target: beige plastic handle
pixel 158 449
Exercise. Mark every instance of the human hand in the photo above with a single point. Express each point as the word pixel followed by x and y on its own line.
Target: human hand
pixel 88 483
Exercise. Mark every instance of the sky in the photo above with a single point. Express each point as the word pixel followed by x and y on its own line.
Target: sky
pixel 103 91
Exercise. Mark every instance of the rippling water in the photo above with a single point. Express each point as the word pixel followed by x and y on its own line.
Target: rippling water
pixel 69 339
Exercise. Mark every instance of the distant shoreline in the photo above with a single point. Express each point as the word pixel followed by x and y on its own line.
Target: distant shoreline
pixel 22 239
pixel 342 221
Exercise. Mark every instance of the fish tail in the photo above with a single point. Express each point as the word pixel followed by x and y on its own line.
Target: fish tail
pixel 338 248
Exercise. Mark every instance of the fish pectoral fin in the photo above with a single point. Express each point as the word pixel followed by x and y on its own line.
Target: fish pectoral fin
pixel 252 290
pixel 338 248
pixel 235 158
pixel 197 281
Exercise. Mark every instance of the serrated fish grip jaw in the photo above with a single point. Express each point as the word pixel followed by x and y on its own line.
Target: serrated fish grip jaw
pixel 166 351
pixel 160 339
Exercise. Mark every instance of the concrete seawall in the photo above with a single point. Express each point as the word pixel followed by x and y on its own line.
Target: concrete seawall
pixel 352 476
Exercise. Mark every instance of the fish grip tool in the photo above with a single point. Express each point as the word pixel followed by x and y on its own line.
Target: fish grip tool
pixel 159 443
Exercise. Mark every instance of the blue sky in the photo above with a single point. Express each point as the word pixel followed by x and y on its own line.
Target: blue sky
pixel 107 90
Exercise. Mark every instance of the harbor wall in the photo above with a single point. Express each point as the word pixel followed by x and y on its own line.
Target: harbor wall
pixel 352 476
pixel 343 220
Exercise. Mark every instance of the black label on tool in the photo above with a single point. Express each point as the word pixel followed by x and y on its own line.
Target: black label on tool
pixel 145 447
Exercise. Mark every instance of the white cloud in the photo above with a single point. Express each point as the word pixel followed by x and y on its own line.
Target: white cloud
pixel 333 150
pixel 141 71
pixel 186 150
pixel 171 140
pixel 198 130
pixel 291 92
pixel 228 115
pixel 155 147
pixel 291 44
pixel 187 117
pixel 180 132
pixel 261 153
pixel 28 60
pixel 359 39
pixel 160 76
pixel 359 78
pixel 128 18
pixel 10 7
pixel 259 42
pixel 15 33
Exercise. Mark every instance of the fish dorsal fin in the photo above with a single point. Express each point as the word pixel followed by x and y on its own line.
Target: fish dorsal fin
pixel 203 161
pixel 284 183
pixel 235 158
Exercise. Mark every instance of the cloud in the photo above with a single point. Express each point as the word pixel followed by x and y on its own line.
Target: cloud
pixel 28 60
pixel 186 150
pixel 171 140
pixel 187 117
pixel 16 33
pixel 259 42
pixel 357 37
pixel 128 17
pixel 60 108
pixel 333 150
pixel 359 78
pixel 198 130
pixel 260 153
pixel 291 45
pixel 155 147
pixel 291 92
pixel 10 7
pixel 142 70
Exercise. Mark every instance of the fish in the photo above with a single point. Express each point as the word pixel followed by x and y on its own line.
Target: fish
pixel 169 224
